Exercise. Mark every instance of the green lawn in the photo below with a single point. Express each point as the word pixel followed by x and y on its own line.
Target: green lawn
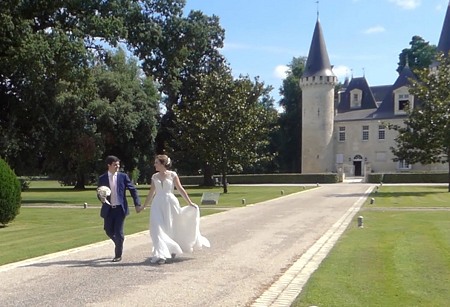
pixel 400 257
pixel 39 230
pixel 51 193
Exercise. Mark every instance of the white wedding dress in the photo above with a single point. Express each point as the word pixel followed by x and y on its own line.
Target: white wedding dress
pixel 173 229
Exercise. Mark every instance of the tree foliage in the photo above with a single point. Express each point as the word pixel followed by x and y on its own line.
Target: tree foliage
pixel 419 56
pixel 189 48
pixel 49 55
pixel 9 194
pixel 425 135
pixel 228 125
pixel 288 138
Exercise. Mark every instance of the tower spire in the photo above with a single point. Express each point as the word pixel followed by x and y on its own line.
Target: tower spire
pixel 317 2
pixel 318 61
pixel 444 39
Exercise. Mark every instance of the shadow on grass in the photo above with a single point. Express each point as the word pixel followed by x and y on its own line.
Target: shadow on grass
pixel 46 201
pixel 408 193
pixel 59 190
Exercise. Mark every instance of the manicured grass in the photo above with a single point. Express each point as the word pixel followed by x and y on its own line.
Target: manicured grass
pixel 51 193
pixel 412 196
pixel 399 258
pixel 41 230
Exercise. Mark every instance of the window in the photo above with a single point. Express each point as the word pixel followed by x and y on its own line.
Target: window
pixel 403 164
pixel 381 132
pixel 355 99
pixel 403 100
pixel 341 134
pixel 365 133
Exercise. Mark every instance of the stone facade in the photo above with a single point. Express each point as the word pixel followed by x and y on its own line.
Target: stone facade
pixel 350 136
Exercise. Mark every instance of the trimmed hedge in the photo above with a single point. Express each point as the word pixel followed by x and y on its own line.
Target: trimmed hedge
pixel 266 178
pixel 408 178
pixel 10 196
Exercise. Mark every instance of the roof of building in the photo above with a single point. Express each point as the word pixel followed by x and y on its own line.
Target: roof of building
pixel 380 91
pixel 367 99
pixel 318 62
pixel 359 114
pixel 444 39
pixel 387 107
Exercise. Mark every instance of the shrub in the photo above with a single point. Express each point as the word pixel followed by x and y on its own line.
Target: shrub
pixel 24 183
pixel 10 190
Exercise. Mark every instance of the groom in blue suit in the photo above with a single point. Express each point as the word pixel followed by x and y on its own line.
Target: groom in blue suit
pixel 115 212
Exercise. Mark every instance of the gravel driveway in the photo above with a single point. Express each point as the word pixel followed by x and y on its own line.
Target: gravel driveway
pixel 252 247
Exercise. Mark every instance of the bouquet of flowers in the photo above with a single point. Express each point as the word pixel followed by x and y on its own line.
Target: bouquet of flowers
pixel 102 193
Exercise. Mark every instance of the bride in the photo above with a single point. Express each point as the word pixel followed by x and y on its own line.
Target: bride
pixel 173 229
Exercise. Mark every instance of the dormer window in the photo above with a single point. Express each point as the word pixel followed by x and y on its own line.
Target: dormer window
pixel 402 100
pixel 355 99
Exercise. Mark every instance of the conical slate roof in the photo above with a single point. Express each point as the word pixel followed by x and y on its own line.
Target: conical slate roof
pixel 318 62
pixel 444 40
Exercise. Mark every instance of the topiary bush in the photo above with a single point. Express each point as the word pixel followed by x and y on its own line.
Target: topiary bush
pixel 10 197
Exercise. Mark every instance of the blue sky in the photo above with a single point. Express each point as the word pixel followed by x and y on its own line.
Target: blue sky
pixel 363 37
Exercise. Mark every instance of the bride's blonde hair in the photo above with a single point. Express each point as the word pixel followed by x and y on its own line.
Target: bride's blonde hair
pixel 164 160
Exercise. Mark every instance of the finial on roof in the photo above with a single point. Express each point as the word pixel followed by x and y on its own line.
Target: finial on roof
pixel 364 72
pixel 317 2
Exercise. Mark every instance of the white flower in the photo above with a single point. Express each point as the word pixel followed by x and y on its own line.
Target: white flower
pixel 102 193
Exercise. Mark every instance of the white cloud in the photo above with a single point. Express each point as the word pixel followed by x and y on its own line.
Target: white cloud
pixel 376 29
pixel 406 4
pixel 341 72
pixel 280 71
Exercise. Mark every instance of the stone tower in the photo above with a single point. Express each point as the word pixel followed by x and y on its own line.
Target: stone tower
pixel 317 84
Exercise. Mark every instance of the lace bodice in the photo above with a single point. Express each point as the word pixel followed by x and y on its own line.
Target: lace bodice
pixel 164 184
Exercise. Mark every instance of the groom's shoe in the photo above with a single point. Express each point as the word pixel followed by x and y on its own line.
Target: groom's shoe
pixel 117 259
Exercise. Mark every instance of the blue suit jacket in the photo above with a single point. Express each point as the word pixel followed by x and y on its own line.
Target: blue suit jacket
pixel 123 183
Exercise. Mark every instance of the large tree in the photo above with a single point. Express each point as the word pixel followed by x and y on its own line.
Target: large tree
pixel 47 51
pixel 229 122
pixel 425 135
pixel 189 47
pixel 288 138
pixel 419 56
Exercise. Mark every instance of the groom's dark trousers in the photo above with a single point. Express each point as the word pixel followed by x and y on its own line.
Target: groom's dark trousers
pixel 114 217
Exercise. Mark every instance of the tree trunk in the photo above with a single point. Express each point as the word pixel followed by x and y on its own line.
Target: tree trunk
pixel 208 175
pixel 79 185
pixel 224 183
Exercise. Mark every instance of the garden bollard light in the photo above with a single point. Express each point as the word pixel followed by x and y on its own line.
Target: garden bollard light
pixel 282 192
pixel 360 222
pixel 85 205
pixel 243 201
pixel 372 201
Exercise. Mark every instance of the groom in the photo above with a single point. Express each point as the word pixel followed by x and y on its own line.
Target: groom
pixel 115 212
